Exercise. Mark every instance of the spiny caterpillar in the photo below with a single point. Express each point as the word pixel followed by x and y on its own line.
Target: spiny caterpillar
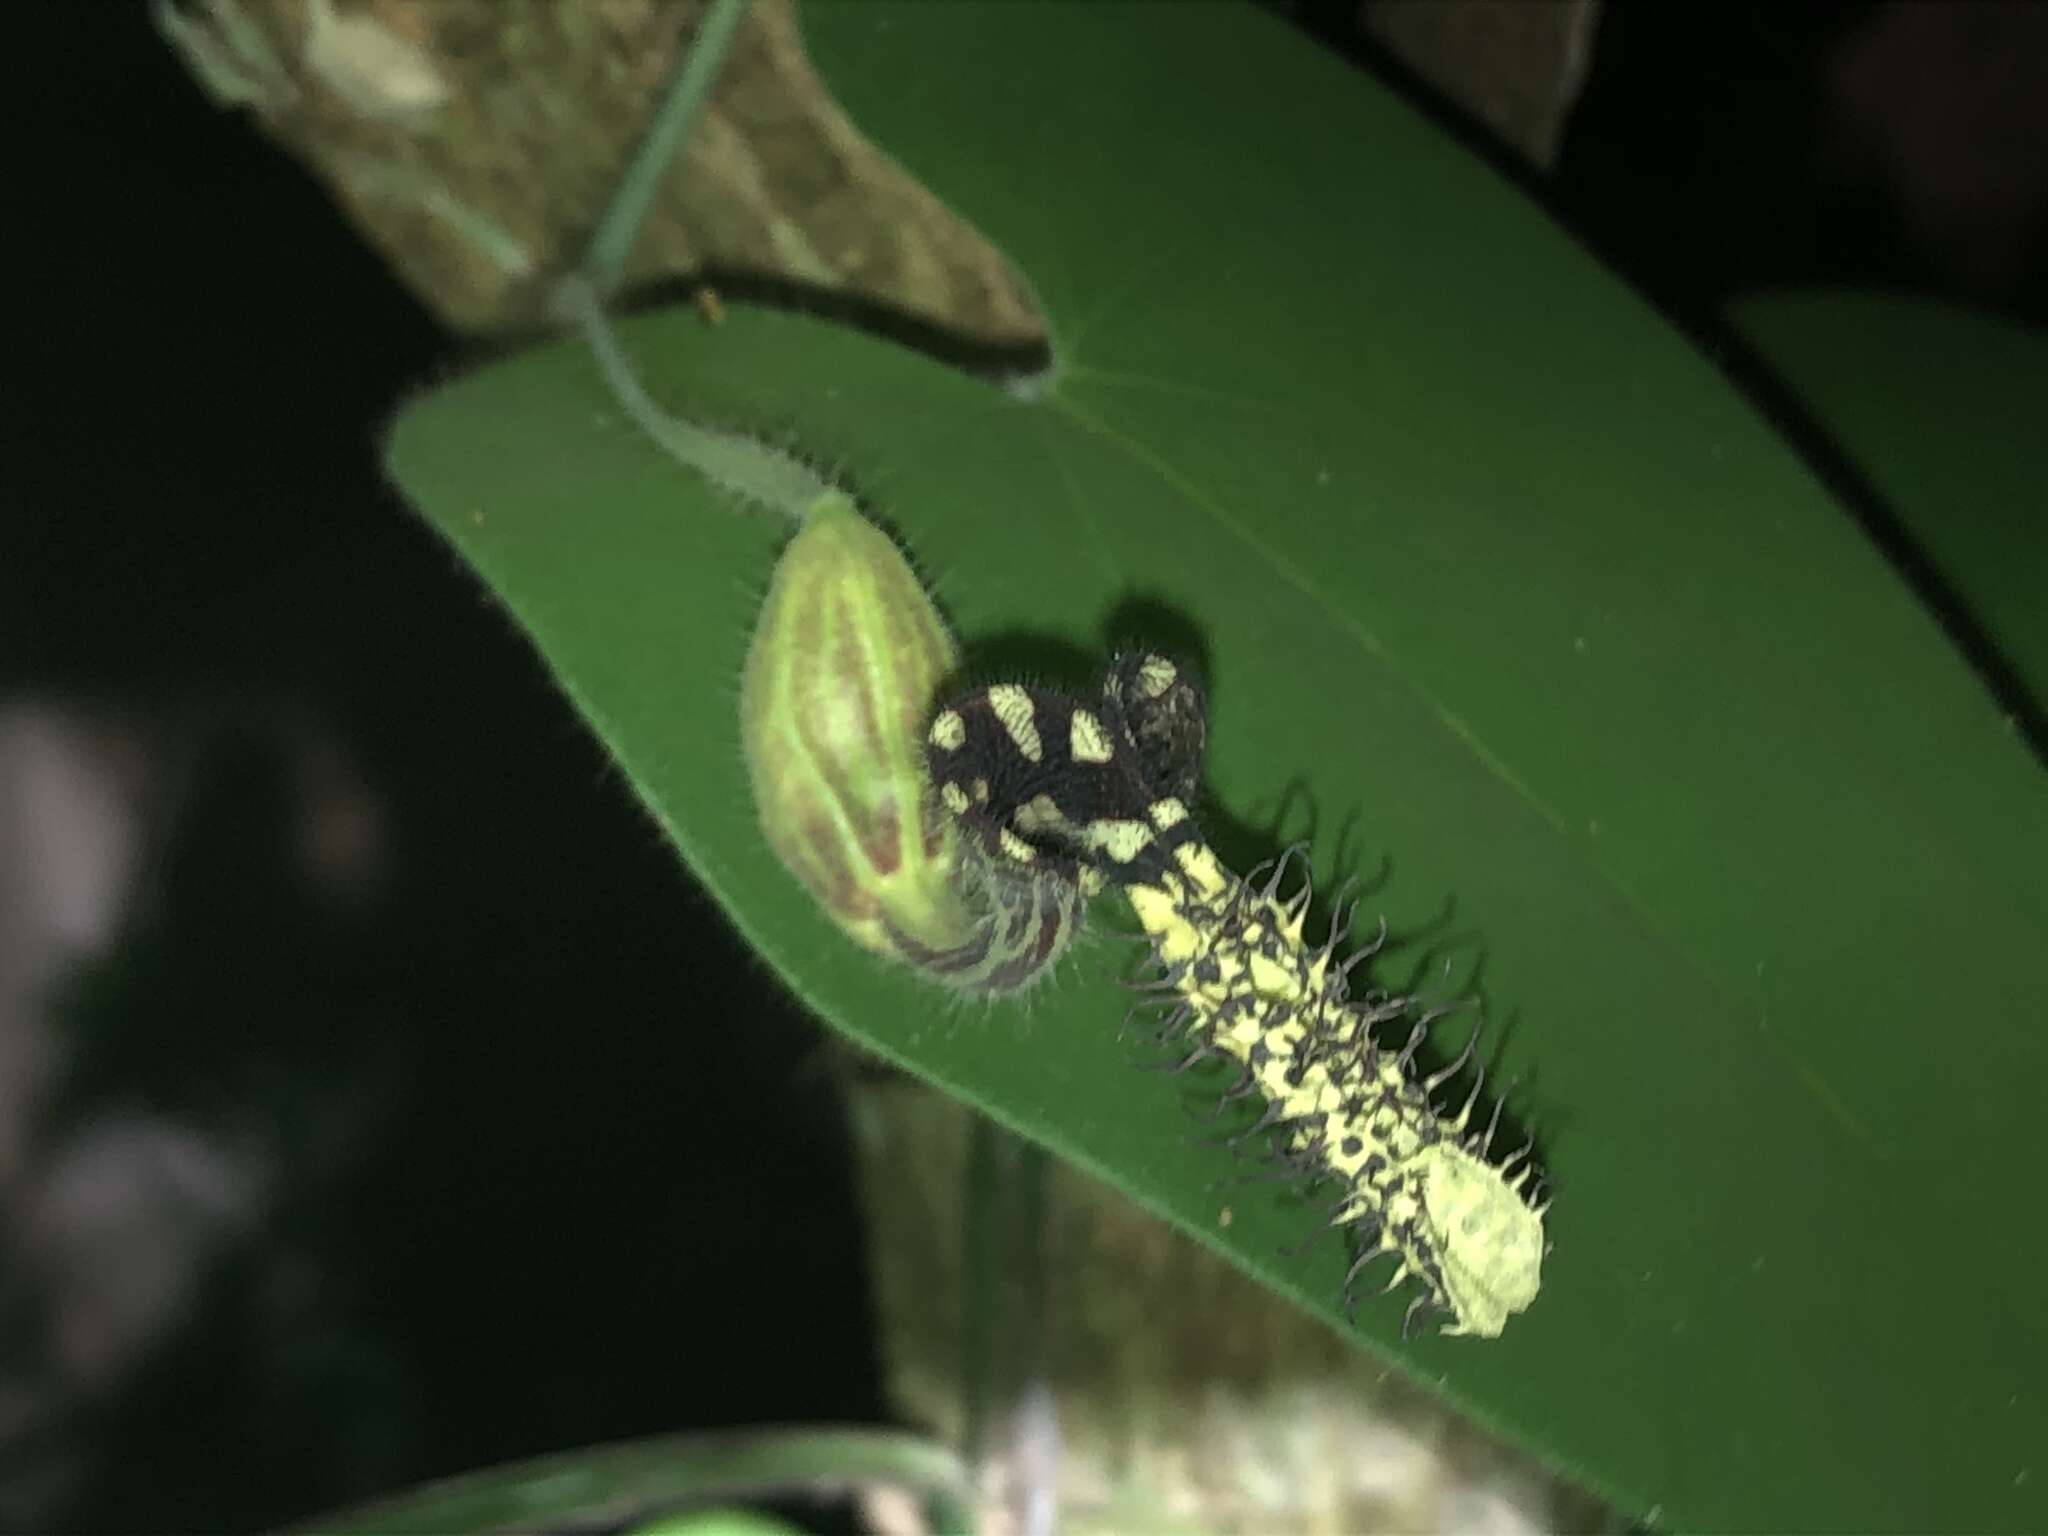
pixel 1097 796
pixel 846 659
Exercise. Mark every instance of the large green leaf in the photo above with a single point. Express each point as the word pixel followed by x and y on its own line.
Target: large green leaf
pixel 1508 580
pixel 1941 408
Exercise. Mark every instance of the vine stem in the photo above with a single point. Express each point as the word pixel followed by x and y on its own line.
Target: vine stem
pixel 687 91
pixel 732 460
pixel 738 463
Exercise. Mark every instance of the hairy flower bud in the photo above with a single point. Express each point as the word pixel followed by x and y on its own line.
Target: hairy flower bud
pixel 846 660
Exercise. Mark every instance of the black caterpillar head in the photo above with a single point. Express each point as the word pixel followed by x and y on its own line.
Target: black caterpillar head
pixel 1157 706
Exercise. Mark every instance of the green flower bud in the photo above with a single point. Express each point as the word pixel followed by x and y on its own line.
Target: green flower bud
pixel 845 665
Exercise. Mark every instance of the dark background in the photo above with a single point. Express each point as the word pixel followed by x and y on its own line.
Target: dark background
pixel 401 946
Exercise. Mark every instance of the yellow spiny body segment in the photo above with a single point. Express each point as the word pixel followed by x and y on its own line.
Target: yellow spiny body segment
pixel 1262 996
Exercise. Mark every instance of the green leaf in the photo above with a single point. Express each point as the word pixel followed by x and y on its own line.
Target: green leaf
pixel 1940 407
pixel 1490 569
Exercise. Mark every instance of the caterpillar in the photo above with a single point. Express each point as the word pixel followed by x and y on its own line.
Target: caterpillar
pixel 1084 797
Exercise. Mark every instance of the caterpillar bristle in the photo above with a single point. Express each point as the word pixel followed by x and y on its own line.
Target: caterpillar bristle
pixel 1286 1174
pixel 1246 1087
pixel 1322 1230
pixel 1465 1115
pixel 1356 958
pixel 1485 1147
pixel 1215 1116
pixel 1295 908
pixel 1419 1304
pixel 1168 1037
pixel 1344 905
pixel 1287 856
pixel 1152 984
pixel 1273 1119
pixel 1233 1142
pixel 1173 1026
pixel 1445 1010
pixel 1437 1079
pixel 1516 1156
pixel 1367 1252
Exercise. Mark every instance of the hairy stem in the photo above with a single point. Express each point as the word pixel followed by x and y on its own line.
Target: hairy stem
pixel 732 460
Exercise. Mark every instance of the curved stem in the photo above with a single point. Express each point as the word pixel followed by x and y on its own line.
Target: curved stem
pixel 738 463
pixel 613 239
pixel 730 459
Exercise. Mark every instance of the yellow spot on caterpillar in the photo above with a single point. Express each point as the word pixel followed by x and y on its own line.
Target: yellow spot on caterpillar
pixel 949 731
pixel 1014 847
pixel 1173 937
pixel 1270 977
pixel 955 798
pixel 1205 872
pixel 1122 841
pixel 1155 675
pixel 981 791
pixel 1168 813
pixel 1087 741
pixel 1012 706
pixel 1041 813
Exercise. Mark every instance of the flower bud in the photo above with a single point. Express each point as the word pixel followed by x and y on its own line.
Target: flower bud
pixel 846 661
